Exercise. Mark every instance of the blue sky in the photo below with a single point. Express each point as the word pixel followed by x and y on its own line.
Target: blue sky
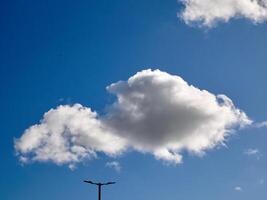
pixel 65 52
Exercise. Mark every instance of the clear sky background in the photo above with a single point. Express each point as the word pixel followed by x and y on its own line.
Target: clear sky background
pixel 65 52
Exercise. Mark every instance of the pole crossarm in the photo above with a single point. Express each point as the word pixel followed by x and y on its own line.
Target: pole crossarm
pixel 93 183
pixel 99 186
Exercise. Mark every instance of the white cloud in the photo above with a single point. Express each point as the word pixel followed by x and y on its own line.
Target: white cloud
pixel 238 188
pixel 207 13
pixel 114 165
pixel 155 112
pixel 162 114
pixel 253 152
pixel 67 135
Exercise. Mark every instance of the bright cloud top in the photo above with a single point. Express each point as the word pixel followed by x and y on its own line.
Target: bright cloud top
pixel 208 12
pixel 155 112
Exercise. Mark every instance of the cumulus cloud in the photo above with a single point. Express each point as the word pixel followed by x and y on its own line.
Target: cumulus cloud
pixel 114 165
pixel 207 13
pixel 67 135
pixel 155 113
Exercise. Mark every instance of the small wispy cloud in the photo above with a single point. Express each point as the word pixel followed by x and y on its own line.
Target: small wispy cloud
pixel 114 165
pixel 260 124
pixel 253 152
pixel 238 189
pixel 261 181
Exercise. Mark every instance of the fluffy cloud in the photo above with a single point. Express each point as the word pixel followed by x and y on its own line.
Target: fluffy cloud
pixel 67 135
pixel 155 112
pixel 208 12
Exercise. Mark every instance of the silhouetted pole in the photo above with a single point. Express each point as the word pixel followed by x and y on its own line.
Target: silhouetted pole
pixel 99 192
pixel 99 186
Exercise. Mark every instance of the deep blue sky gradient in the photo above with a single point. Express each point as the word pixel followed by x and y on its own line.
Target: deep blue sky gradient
pixel 64 52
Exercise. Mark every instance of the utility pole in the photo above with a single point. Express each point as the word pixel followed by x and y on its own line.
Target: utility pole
pixel 99 186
